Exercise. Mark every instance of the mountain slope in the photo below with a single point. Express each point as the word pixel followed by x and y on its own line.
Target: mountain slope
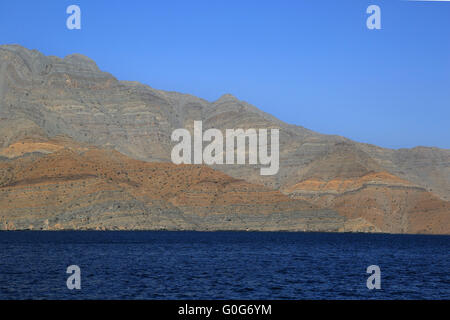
pixel 60 184
pixel 44 96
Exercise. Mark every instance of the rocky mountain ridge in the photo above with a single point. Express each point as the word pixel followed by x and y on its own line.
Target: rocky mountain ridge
pixel 42 97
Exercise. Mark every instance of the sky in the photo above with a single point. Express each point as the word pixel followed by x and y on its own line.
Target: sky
pixel 310 63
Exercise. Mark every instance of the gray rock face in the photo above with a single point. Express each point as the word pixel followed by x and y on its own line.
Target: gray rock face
pixel 71 96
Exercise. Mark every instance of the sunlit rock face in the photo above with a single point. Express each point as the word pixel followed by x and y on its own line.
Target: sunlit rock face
pixel 50 105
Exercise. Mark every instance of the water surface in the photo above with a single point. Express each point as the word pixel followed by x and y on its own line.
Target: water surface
pixel 222 265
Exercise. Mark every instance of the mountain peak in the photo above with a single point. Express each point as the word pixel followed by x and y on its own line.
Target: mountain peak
pixel 227 97
pixel 81 61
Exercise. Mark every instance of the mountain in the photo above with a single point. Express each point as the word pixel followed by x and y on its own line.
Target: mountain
pixel 365 187
pixel 52 184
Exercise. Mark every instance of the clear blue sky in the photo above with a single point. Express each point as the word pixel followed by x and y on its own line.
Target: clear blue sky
pixel 312 63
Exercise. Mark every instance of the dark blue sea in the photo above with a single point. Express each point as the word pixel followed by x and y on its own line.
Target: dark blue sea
pixel 222 265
